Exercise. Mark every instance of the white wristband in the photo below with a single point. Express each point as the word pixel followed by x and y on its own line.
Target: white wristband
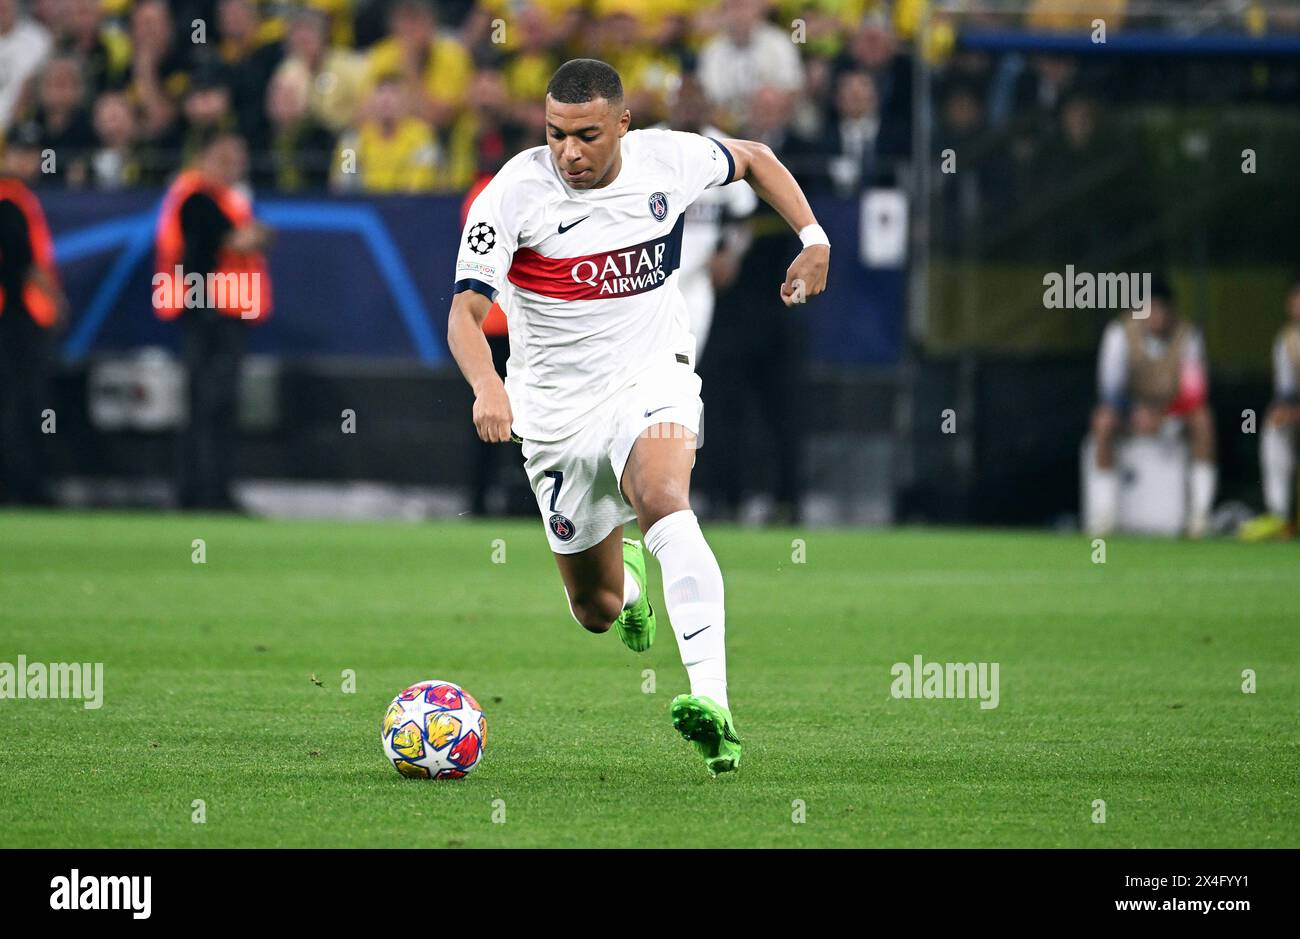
pixel 813 235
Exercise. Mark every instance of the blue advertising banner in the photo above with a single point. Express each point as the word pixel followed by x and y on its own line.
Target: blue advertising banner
pixel 372 277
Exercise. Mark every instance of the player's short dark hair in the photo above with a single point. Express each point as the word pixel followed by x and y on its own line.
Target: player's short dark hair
pixel 578 81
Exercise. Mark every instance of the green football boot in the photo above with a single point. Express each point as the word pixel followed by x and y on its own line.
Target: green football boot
pixel 636 624
pixel 1265 528
pixel 708 725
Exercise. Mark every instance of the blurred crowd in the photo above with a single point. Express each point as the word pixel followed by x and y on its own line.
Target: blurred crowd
pixel 418 96
pixel 1055 157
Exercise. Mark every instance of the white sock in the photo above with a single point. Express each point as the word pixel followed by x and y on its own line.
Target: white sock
pixel 631 589
pixel 1277 464
pixel 1205 477
pixel 694 595
pixel 1105 501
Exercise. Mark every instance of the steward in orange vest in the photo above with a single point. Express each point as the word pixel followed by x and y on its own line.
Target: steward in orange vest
pixel 30 306
pixel 39 295
pixel 234 280
pixel 211 276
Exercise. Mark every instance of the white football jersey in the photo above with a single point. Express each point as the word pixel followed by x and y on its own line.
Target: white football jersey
pixel 588 278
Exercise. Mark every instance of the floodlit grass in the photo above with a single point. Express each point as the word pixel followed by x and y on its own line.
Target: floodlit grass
pixel 1119 681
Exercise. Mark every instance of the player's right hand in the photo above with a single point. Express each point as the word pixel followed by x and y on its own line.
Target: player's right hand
pixel 492 415
pixel 806 277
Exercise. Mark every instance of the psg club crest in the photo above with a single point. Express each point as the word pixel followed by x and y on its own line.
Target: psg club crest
pixel 658 206
pixel 561 527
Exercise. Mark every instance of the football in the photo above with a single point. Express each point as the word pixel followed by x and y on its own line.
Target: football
pixel 434 730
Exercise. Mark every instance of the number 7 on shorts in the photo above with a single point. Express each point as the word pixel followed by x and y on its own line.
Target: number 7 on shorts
pixel 555 490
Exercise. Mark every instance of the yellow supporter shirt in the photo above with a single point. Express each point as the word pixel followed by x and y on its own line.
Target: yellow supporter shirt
pixel 446 73
pixel 553 10
pixel 647 12
pixel 405 161
pixel 527 75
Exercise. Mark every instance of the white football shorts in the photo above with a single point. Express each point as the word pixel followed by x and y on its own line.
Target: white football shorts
pixel 577 480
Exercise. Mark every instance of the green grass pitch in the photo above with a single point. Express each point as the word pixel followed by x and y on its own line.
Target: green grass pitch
pixel 1119 681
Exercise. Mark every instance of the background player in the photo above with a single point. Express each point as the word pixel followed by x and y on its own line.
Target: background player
pixel 1277 437
pixel 1149 371
pixel 583 240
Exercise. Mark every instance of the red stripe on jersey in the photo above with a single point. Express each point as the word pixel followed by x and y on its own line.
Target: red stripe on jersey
pixel 602 275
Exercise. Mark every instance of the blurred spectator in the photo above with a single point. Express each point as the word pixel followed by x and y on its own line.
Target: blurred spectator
pixel 159 73
pixel 115 162
pixel 648 74
pixel 809 119
pixel 22 154
pixel 958 195
pixel 104 51
pixel 24 46
pixel 748 54
pixel 533 59
pixel 1100 194
pixel 48 13
pixel 391 151
pixel 667 26
pixel 826 22
pixel 1047 80
pixel 205 110
pixel 63 120
pixel 843 157
pixel 295 154
pixel 454 55
pixel 768 119
pixel 337 16
pixel 250 51
pixel 961 115
pixel 499 132
pixel 334 76
pixel 875 49
pixel 503 24
pixel 436 66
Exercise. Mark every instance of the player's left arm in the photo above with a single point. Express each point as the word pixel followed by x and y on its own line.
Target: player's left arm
pixel 757 165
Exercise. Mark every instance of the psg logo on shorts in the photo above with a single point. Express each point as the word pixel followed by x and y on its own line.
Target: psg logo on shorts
pixel 658 206
pixel 561 527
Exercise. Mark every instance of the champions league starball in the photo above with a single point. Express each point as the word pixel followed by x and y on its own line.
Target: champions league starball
pixel 434 730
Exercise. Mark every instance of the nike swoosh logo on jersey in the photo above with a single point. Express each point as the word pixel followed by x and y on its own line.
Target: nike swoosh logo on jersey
pixel 564 228
pixel 696 633
pixel 657 410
